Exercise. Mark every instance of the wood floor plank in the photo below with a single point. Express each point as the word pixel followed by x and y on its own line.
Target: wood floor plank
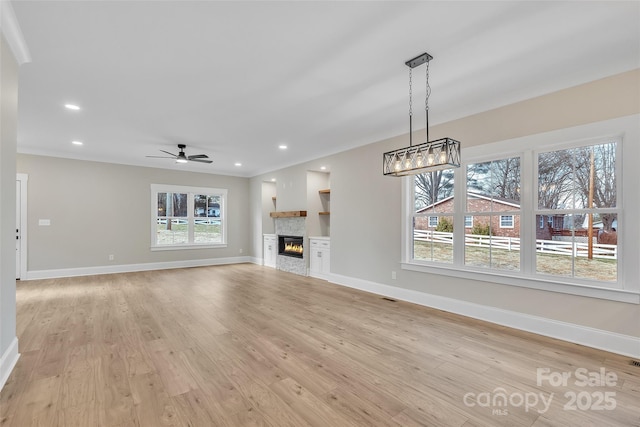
pixel 357 409
pixel 113 391
pixel 433 417
pixel 14 389
pixel 310 407
pixel 153 406
pixel 244 345
pixel 170 368
pixel 198 408
pixel 39 405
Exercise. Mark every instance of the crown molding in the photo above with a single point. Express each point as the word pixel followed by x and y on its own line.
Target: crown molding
pixel 12 33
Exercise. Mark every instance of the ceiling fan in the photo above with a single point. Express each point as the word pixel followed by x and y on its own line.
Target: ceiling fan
pixel 181 157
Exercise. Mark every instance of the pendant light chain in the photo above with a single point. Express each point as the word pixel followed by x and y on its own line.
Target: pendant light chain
pixel 426 99
pixel 410 108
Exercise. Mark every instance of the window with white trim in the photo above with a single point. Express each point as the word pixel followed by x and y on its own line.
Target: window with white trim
pixel 578 191
pixel 506 221
pixel 433 222
pixel 187 217
pixel 493 188
pixel 468 221
pixel 563 235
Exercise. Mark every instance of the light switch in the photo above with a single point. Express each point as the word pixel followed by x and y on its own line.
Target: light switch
pixel 44 222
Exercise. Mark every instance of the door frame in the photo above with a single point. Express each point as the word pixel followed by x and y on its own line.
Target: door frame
pixel 22 178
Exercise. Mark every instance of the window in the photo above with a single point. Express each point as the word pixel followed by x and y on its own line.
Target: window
pixel 433 220
pixel 506 221
pixel 577 191
pixel 546 218
pixel 185 217
pixel 493 188
pixel 468 221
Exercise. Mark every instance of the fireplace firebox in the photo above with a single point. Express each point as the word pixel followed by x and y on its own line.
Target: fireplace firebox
pixel 292 246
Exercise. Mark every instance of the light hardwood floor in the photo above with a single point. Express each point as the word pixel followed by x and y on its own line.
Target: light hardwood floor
pixel 244 345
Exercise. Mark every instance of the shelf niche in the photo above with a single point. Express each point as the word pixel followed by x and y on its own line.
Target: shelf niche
pixel 324 192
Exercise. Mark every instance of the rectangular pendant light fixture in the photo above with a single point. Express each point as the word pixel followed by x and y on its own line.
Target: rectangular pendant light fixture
pixel 426 157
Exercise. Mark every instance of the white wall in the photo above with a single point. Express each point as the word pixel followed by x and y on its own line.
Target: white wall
pixel 366 219
pixel 268 205
pixel 97 209
pixel 8 141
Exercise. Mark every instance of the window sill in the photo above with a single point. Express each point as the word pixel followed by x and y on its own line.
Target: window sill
pixel 612 294
pixel 187 247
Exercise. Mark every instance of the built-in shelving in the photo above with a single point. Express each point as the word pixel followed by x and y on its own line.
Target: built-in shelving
pixel 325 202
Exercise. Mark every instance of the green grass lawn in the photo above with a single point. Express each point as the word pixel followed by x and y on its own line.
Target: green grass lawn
pixel 203 233
pixel 500 259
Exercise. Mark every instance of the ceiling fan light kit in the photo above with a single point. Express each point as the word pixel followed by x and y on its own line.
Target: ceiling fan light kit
pixel 181 157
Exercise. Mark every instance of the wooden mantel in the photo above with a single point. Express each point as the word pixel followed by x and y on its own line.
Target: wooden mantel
pixel 288 214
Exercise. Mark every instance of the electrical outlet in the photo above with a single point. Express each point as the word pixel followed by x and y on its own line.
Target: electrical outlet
pixel 393 275
pixel 111 257
pixel 240 250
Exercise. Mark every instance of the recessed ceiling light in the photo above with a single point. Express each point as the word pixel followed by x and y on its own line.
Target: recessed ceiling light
pixel 323 168
pixel 273 180
pixel 238 164
pixel 282 146
pixel 71 107
pixel 77 142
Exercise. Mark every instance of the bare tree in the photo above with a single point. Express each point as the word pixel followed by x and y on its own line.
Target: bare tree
pixel 555 174
pixel 432 187
pixel 604 185
pixel 499 178
pixel 505 178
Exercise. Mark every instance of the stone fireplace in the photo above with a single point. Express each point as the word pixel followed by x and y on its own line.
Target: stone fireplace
pixel 291 230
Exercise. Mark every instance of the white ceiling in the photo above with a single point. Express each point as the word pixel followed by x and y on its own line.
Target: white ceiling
pixel 236 79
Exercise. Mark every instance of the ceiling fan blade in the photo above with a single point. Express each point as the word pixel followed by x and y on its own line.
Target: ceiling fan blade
pixel 198 156
pixel 171 154
pixel 200 161
pixel 161 157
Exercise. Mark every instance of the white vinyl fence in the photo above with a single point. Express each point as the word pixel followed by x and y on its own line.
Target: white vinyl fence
pixel 577 249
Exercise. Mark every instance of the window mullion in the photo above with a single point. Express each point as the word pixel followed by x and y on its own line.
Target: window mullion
pixel 190 217
pixel 528 205
pixel 459 207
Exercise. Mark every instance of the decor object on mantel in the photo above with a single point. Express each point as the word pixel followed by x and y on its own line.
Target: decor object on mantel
pixel 426 157
pixel 288 214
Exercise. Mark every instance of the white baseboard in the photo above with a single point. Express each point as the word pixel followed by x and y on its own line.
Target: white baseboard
pixel 597 338
pixel 128 268
pixel 317 275
pixel 8 361
pixel 255 260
